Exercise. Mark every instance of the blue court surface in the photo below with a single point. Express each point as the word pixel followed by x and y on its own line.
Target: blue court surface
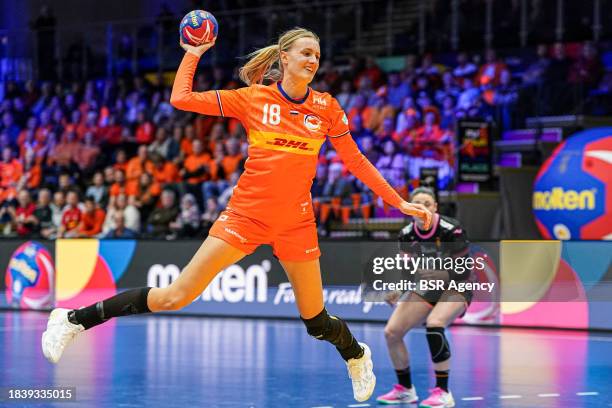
pixel 167 361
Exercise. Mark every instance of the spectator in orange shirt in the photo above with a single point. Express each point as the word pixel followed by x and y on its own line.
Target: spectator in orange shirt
pixel 227 157
pixel 31 126
pixel 88 153
pixel 91 219
pixel 148 194
pixel 29 142
pixel 197 165
pixel 138 165
pixel 32 172
pixel 45 126
pixel 11 169
pixel 121 161
pixel 232 158
pixel 491 70
pixel 377 112
pixel 28 135
pixel 359 105
pixel 120 184
pixel 164 172
pixel 430 138
pixel 197 169
pixel 187 140
pixel 64 153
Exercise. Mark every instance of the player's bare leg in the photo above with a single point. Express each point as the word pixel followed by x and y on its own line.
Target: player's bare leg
pixel 305 278
pixel 408 314
pixel 213 256
pixel 450 306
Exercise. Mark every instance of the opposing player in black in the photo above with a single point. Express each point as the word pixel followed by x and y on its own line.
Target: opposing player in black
pixel 446 239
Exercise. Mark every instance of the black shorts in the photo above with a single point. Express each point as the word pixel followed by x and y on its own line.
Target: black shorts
pixel 432 297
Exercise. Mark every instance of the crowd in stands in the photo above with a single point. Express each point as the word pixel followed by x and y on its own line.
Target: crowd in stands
pixel 112 158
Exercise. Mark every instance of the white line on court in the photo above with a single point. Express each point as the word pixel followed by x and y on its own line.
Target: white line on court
pixel 552 395
pixel 472 399
pixel 358 405
pixel 510 396
pixel 586 394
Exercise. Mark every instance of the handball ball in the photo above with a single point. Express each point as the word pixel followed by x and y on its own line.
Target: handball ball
pixel 198 27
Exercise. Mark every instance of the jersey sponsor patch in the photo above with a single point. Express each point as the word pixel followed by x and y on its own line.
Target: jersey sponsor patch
pixel 285 142
pixel 344 119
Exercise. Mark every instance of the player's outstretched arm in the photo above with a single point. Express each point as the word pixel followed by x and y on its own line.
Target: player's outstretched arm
pixel 361 167
pixel 182 96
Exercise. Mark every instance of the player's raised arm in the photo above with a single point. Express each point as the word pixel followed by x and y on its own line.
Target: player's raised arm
pixel 361 167
pixel 227 103
pixel 182 96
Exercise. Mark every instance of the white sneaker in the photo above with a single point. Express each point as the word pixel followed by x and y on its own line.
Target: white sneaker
pixel 59 334
pixel 361 374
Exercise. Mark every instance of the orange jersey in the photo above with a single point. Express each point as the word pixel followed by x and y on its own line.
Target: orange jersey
pixel 285 136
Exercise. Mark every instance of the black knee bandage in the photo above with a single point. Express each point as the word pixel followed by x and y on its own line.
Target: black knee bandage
pixel 334 330
pixel 438 345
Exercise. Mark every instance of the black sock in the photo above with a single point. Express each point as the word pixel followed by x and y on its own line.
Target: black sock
pixel 133 301
pixel 404 378
pixel 442 379
pixel 352 351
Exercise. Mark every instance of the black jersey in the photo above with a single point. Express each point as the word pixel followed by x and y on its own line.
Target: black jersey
pixel 446 238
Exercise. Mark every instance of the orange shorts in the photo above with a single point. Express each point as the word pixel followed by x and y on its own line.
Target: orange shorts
pixel 295 243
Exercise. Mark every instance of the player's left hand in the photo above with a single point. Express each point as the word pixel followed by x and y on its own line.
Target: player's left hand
pixel 419 211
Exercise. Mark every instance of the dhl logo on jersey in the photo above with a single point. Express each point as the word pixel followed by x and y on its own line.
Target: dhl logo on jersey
pixel 278 141
pixel 285 142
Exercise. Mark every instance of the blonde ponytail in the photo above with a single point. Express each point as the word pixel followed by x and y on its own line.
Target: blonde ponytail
pixel 260 65
pixel 264 64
